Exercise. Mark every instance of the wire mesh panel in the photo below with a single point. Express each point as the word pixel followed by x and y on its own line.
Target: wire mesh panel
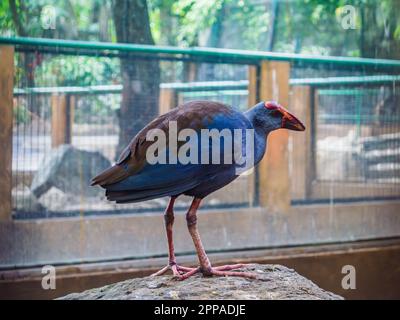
pixel 75 111
pixel 354 142
pixel 358 139
pixel 74 114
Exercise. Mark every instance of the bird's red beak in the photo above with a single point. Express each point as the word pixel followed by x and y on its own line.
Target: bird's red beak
pixel 289 121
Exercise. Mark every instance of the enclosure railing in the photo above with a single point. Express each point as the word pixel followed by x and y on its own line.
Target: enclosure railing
pixel 382 182
pixel 267 78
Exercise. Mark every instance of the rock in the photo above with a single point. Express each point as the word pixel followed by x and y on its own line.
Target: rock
pixel 70 170
pixel 24 200
pixel 275 282
pixel 339 157
pixel 54 200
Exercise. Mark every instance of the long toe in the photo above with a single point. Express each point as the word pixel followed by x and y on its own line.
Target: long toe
pixel 224 271
pixel 228 267
pixel 188 274
pixel 182 268
pixel 179 272
pixel 161 271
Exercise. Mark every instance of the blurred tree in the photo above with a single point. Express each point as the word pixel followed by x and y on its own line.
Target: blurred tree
pixel 307 26
pixel 73 21
pixel 272 25
pixel 314 26
pixel 140 77
pixel 380 29
pixel 22 21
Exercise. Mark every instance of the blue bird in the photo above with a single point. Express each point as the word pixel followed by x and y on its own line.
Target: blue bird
pixel 183 160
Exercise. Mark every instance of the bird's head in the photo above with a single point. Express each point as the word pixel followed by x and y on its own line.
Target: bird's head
pixel 270 115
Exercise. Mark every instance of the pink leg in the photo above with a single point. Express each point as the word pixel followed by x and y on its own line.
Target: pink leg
pixel 169 222
pixel 205 265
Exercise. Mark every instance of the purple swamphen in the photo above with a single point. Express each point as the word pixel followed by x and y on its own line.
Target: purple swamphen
pixel 135 178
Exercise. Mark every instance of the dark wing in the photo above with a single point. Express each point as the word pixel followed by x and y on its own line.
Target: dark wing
pixel 132 178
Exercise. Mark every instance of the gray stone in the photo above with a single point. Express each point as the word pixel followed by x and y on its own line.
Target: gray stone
pixel 54 199
pixel 24 200
pixel 275 282
pixel 70 170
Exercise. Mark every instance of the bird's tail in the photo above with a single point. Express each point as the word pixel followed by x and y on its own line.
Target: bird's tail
pixel 109 176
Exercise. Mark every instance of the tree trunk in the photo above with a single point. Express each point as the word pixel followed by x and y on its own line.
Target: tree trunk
pixel 140 78
pixel 26 59
pixel 273 25
pixel 207 72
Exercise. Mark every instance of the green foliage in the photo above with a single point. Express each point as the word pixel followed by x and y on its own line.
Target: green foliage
pixel 97 109
pixel 21 114
pixel 77 71
pixel 304 26
pixel 6 24
pixel 249 24
pixel 195 16
pixel 75 19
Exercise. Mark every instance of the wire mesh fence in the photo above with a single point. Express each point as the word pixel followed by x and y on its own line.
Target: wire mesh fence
pixel 69 111
pixel 355 137
pixel 358 139
pixel 74 111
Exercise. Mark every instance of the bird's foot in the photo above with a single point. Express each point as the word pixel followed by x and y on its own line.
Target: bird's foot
pixel 180 272
pixel 225 271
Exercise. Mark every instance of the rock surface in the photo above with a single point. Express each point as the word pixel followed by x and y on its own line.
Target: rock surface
pixel 275 282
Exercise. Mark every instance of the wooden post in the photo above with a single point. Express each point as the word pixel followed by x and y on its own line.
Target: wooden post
pixel 6 122
pixel 251 101
pixel 168 100
pixel 192 72
pixel 274 167
pixel 301 150
pixel 62 112
pixel 314 110
pixel 252 87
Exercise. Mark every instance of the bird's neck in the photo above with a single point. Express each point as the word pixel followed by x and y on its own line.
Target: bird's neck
pixel 260 135
pixel 260 145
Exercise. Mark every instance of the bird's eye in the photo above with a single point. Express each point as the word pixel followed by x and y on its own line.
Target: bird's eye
pixel 275 113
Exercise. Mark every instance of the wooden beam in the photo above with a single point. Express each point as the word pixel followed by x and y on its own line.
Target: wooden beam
pixel 251 101
pixel 348 190
pixel 192 72
pixel 314 131
pixel 252 87
pixel 62 110
pixel 168 100
pixel 300 144
pixel 6 123
pixel 274 167
pixel 93 238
